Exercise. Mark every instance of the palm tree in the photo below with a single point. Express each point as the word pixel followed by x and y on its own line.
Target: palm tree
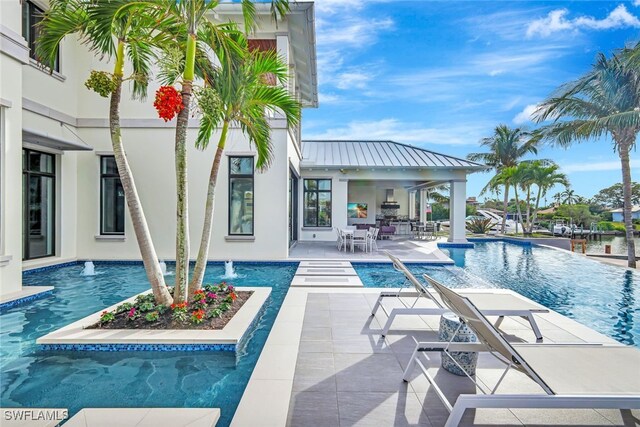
pixel 245 97
pixel 506 147
pixel 508 177
pixel 544 177
pixel 605 101
pixel 557 198
pixel 187 21
pixel 569 196
pixel 120 37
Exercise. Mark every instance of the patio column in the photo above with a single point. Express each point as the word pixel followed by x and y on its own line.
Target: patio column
pixel 423 205
pixel 412 204
pixel 458 211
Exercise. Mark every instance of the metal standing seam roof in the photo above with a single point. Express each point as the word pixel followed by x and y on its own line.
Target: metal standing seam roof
pixel 377 154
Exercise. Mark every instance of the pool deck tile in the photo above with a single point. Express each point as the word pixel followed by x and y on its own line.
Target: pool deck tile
pixel 145 417
pixel 327 281
pixel 343 368
pixel 326 271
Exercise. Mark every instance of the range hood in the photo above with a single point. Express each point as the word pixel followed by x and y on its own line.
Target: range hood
pixel 390 202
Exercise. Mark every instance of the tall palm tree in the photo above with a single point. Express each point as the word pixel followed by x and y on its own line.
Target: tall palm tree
pixel 544 177
pixel 119 37
pixel 246 96
pixel 604 102
pixel 506 147
pixel 509 177
pixel 191 20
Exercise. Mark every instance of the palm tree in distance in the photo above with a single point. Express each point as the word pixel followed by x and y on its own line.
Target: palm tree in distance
pixel 569 197
pixel 505 149
pixel 245 93
pixel 604 102
pixel 544 176
pixel 122 38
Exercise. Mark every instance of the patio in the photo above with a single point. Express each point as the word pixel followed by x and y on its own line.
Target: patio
pixel 326 364
pixel 402 247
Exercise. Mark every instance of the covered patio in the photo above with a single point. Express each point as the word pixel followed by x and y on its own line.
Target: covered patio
pixel 380 184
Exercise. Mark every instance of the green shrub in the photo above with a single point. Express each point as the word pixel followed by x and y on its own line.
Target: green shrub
pixel 611 226
pixel 146 306
pixel 479 226
pixel 124 307
pixel 152 316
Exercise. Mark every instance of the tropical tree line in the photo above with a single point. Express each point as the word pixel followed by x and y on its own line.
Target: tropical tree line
pixel 605 102
pixel 219 77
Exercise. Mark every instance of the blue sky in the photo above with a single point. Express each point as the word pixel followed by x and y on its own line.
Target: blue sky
pixel 442 74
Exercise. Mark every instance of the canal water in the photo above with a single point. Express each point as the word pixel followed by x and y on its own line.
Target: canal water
pixel 618 245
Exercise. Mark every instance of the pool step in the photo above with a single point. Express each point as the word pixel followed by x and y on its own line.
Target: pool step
pixel 130 417
pixel 327 281
pixel 324 263
pixel 326 274
pixel 326 271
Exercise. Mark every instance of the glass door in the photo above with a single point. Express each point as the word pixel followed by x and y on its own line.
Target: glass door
pixel 293 207
pixel 38 197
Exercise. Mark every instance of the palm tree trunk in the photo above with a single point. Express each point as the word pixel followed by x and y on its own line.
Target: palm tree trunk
pixel 504 208
pixel 182 207
pixel 528 210
pixel 535 210
pixel 626 191
pixel 140 227
pixel 203 252
pixel 181 292
pixel 519 211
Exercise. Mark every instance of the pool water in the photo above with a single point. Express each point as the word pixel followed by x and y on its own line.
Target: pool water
pixel 76 380
pixel 603 297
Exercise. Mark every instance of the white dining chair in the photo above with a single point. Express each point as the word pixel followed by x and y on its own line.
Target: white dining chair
pixel 360 238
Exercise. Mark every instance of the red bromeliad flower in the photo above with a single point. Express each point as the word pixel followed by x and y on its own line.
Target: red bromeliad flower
pixel 168 102
pixel 132 312
pixel 233 296
pixel 181 305
pixel 198 314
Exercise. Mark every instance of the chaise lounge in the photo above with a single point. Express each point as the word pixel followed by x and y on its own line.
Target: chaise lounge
pixel 577 376
pixel 490 303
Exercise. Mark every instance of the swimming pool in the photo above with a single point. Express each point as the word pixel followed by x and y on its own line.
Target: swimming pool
pixel 33 378
pixel 600 296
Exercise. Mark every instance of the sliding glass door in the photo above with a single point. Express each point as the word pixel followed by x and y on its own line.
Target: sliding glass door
pixel 38 197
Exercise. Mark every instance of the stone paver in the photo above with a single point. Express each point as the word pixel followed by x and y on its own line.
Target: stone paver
pixel 348 375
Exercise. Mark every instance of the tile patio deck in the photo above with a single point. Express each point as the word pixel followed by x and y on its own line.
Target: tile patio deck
pixel 325 364
pixel 404 248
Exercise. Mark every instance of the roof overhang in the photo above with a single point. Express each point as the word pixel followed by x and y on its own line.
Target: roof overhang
pixel 55 142
pixel 302 40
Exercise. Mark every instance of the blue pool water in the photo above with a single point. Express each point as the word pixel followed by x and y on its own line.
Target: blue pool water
pixel 600 296
pixel 34 378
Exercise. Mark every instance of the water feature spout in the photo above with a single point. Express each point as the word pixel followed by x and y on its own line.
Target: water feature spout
pixel 163 268
pixel 229 272
pixel 89 269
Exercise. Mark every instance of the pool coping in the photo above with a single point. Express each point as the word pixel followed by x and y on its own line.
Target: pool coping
pixel 75 336
pixel 27 294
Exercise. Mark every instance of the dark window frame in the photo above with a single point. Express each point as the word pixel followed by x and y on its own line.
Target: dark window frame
pixel 104 176
pixel 317 191
pixel 25 208
pixel 32 12
pixel 253 195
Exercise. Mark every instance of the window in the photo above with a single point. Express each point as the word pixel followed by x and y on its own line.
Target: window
pixel 317 203
pixel 111 198
pixel 241 196
pixel 38 197
pixel 31 16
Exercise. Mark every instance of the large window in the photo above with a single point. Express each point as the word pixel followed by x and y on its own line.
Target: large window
pixel 38 196
pixel 111 198
pixel 31 16
pixel 241 196
pixel 317 203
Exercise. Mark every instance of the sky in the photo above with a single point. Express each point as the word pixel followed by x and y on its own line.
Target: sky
pixel 442 75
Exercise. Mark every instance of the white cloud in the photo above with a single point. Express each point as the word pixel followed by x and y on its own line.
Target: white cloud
pixel 350 31
pixel 636 2
pixel 353 79
pixel 557 21
pixel 524 116
pixel 395 130
pixel 328 98
pixel 596 166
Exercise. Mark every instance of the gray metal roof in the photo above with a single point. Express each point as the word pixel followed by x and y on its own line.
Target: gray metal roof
pixel 377 154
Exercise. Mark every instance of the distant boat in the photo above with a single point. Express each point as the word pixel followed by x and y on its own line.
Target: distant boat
pixel 562 227
pixel 496 221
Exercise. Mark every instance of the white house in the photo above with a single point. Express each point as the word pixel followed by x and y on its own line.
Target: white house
pixel 60 196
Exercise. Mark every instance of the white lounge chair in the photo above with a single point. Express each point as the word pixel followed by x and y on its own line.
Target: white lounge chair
pixel 587 376
pixel 373 238
pixel 491 303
